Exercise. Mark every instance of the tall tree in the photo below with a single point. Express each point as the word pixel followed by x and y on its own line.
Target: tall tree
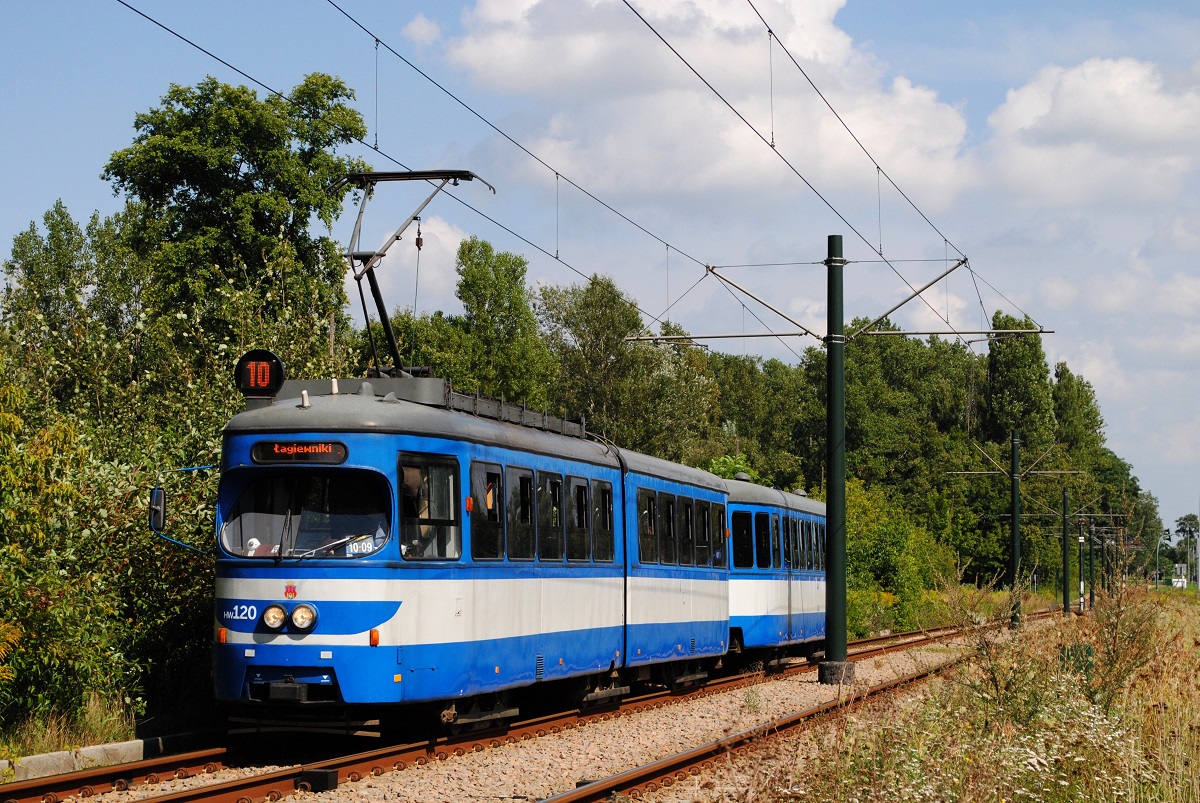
pixel 1019 391
pixel 1080 425
pixel 224 181
pixel 599 375
pixel 507 356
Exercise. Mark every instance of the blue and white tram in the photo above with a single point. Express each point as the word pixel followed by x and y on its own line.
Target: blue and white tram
pixel 777 570
pixel 389 541
pixel 678 600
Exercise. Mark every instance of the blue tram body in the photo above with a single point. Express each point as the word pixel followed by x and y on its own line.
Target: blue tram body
pixel 777 570
pixel 391 542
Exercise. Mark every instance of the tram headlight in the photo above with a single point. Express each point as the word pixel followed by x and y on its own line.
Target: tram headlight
pixel 273 616
pixel 304 617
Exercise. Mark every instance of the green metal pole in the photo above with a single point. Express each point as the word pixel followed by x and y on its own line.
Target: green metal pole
pixel 1014 554
pixel 835 668
pixel 1081 565
pixel 1066 560
pixel 1092 567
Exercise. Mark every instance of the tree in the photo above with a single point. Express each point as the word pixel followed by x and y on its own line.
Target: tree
pixel 1019 393
pixel 507 357
pixel 1186 530
pixel 599 375
pixel 73 305
pixel 224 180
pixel 1076 413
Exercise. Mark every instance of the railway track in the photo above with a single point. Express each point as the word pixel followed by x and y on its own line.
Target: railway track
pixel 328 774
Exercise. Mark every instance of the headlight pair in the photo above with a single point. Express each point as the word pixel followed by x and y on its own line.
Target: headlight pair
pixel 302 617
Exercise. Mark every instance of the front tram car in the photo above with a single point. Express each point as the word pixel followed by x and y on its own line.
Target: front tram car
pixel 388 541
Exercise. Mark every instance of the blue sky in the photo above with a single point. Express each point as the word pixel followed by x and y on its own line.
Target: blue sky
pixel 1052 143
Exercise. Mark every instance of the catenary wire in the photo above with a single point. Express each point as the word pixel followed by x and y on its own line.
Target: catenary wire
pixel 506 136
pixel 392 159
pixel 494 221
pixel 829 105
pixel 785 160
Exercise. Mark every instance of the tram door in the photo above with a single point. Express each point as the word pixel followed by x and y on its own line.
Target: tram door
pixel 795 564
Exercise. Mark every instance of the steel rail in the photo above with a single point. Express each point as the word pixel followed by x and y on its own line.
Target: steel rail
pixel 327 774
pixel 114 778
pixel 666 772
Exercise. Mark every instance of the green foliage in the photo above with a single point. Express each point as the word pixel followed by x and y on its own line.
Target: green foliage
pixel 598 376
pixel 55 588
pixel 613 382
pixel 729 466
pixel 224 179
pixel 891 562
pixel 1019 392
pixel 9 636
pixel 507 356
pixel 118 352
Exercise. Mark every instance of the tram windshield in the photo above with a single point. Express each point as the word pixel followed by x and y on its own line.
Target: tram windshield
pixel 310 514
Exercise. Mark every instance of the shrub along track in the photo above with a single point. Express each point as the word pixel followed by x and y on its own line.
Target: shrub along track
pixel 199 771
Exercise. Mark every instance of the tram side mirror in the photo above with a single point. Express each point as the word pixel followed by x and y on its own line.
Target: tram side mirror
pixel 158 509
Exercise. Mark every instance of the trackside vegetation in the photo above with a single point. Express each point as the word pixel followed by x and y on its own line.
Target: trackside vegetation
pixel 118 338
pixel 1096 708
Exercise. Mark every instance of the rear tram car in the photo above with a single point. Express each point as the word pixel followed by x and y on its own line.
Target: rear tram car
pixel 389 542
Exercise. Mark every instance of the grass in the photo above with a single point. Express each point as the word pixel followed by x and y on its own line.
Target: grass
pixel 97 723
pixel 1099 708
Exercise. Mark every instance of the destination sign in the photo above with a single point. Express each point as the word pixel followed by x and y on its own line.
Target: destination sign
pixel 326 452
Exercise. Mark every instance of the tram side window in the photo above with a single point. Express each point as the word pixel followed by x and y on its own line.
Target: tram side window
pixel 429 507
pixel 521 514
pixel 487 520
pixel 687 532
pixel 719 535
pixel 762 539
pixel 667 534
pixel 787 524
pixel 579 546
pixel 703 533
pixel 550 516
pixel 810 559
pixel 602 521
pixel 647 502
pixel 775 541
pixel 743 541
pixel 821 543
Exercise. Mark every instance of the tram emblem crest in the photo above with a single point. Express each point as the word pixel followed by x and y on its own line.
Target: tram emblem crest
pixel 289 591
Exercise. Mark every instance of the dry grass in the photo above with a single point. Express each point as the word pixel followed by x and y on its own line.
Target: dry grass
pixel 1100 708
pixel 98 723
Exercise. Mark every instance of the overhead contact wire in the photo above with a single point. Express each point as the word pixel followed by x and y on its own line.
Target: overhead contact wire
pixel 516 144
pixel 784 159
pixel 829 105
pixel 384 154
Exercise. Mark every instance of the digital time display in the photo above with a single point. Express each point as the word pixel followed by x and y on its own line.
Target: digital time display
pixel 325 452
pixel 259 373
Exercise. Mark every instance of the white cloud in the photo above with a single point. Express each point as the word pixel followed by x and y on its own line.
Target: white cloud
pixel 1182 445
pixel 421 30
pixel 405 276
pixel 1058 292
pixel 1101 366
pixel 1106 130
pixel 1178 295
pixel 621 98
pixel 1116 293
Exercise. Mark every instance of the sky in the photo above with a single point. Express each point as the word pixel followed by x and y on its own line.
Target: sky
pixel 1053 145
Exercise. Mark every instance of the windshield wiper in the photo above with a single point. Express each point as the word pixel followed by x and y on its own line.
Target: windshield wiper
pixel 335 544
